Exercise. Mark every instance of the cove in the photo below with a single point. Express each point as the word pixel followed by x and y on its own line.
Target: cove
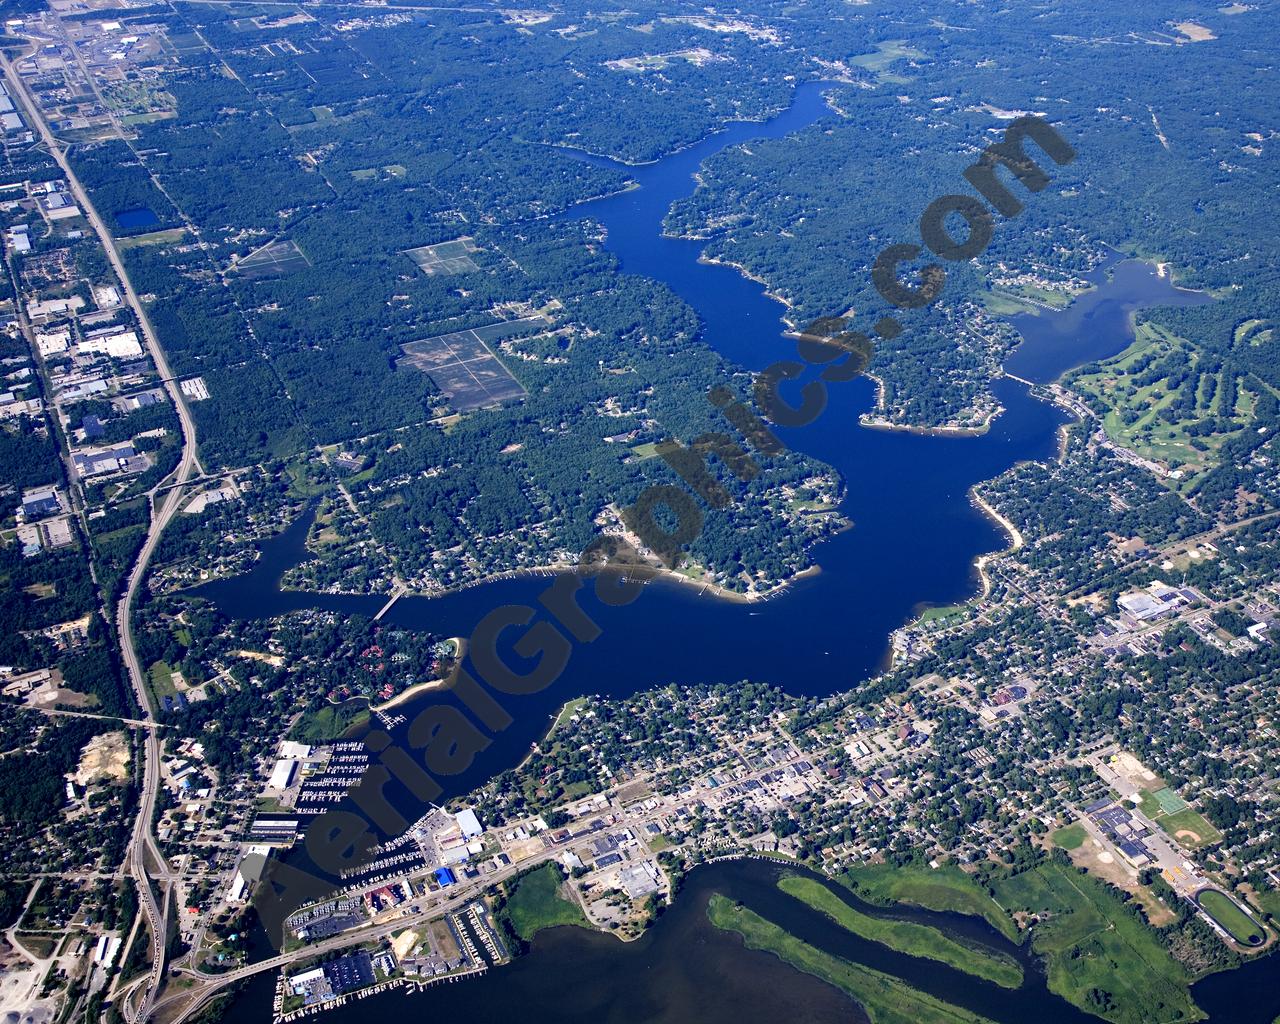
pixel 915 535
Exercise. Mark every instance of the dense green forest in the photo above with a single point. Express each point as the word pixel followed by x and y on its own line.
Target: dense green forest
pixel 1164 169
pixel 355 141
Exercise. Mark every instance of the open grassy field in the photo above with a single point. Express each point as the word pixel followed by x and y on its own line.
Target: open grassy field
pixel 883 998
pixel 1098 956
pixel 277 258
pixel 168 236
pixel 36 944
pixel 904 936
pixel 1135 403
pixel 1149 805
pixel 1190 829
pixel 1003 303
pixel 160 681
pixel 570 709
pixel 1070 838
pixel 1242 927
pixel 328 723
pixel 648 450
pixel 1269 901
pixel 943 612
pixel 1171 813
pixel 1023 298
pixel 946 888
pixel 576 790
pixel 536 903
pixel 150 117
pixel 886 53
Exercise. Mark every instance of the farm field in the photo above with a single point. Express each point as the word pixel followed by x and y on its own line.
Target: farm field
pixel 464 368
pixel 275 259
pixel 453 257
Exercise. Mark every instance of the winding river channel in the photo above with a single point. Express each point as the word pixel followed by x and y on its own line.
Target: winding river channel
pixel 915 537
pixel 914 542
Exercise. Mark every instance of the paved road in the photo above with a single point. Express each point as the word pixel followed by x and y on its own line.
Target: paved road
pixel 208 985
pixel 63 713
pixel 143 842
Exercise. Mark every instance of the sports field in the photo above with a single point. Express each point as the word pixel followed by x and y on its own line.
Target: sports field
pixel 1071 837
pixel 1223 909
pixel 1169 801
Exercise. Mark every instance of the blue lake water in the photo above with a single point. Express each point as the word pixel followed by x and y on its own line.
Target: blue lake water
pixel 685 970
pixel 915 536
pixel 138 217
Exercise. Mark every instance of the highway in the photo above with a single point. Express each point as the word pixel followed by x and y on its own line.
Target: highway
pixel 142 844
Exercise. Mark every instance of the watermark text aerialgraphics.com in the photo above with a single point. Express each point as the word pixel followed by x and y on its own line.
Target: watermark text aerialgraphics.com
pixel 442 740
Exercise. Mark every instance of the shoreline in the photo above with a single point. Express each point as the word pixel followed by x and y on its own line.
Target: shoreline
pixel 734 596
pixel 425 686
pixel 870 421
pixel 552 569
pixel 1015 536
pixel 765 289
pixel 764 118
pixel 943 430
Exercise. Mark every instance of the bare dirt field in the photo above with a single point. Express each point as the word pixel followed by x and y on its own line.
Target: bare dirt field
pixel 106 756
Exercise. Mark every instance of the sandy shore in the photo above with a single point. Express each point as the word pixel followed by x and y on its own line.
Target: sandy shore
pixel 553 569
pixel 1014 535
pixel 424 687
